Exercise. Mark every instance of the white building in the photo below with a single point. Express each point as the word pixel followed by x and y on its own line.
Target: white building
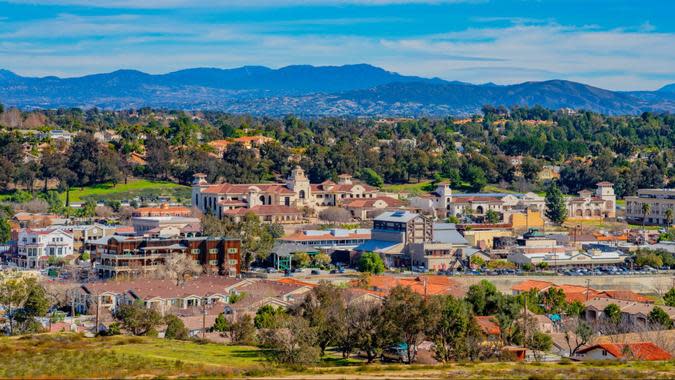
pixel 36 246
pixel 659 200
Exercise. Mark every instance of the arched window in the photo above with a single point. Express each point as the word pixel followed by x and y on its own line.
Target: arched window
pixel 262 199
pixel 479 210
pixel 301 194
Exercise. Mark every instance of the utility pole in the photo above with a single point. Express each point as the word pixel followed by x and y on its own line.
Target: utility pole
pixel 97 314
pixel 588 287
pixel 204 318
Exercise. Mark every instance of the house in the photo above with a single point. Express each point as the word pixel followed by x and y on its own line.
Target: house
pixel 36 246
pixel 163 210
pixel 249 142
pixel 489 329
pixel 577 292
pixel 84 233
pixel 276 202
pixel 136 255
pixel 623 351
pixel 426 285
pixel 632 312
pixel 658 200
pixel 333 239
pixel 37 220
pixel 259 293
pixel 166 226
pixel 164 295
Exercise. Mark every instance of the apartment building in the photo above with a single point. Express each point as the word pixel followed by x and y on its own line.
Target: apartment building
pixel 659 201
pixel 136 255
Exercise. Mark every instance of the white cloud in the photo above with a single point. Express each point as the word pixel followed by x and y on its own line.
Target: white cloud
pixel 74 45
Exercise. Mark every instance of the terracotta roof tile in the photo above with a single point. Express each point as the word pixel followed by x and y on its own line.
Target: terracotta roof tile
pixel 640 350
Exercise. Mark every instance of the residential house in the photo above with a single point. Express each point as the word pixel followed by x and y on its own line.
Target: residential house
pixel 426 285
pixel 166 226
pixel 36 246
pixel 631 312
pixel 623 351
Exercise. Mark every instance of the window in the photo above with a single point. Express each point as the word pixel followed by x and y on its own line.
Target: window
pixel 232 262
pixel 604 352
pixel 213 250
pixel 232 250
pixel 195 251
pixel 213 262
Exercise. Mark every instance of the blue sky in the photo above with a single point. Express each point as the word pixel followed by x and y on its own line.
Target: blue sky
pixel 615 44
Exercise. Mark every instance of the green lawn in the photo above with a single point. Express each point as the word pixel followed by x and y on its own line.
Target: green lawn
pixel 406 187
pixel 74 356
pixel 136 187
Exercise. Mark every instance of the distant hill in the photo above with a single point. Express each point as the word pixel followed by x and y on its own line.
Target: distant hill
pixel 308 90
pixel 668 88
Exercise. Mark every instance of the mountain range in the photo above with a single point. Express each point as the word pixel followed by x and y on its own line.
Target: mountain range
pixel 308 90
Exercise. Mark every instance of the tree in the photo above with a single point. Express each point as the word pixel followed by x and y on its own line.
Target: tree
pixel 556 209
pixel 366 329
pixel 492 217
pixel 530 168
pixel 301 259
pixel 577 334
pixel 660 318
pixel 177 266
pixel 575 309
pixel 268 317
pixel 649 259
pixel 221 323
pixel 613 313
pixel 322 259
pixel 371 177
pixel 406 314
pixel 335 215
pixel 138 319
pixel 14 290
pixel 5 230
pixel 483 298
pixel 646 209
pixel 256 239
pixel 324 309
pixel 292 343
pixel 539 342
pixel 371 262
pixel 36 304
pixel 669 298
pixel 175 328
pixel 277 230
pixel 668 214
pixel 452 332
pixel 475 176
pixel 242 330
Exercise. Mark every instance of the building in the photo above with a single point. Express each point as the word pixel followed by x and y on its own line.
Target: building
pixel 623 351
pixel 393 231
pixel 136 255
pixel 166 226
pixel 334 239
pixel 36 246
pixel 632 312
pixel 588 206
pixel 368 208
pixel 447 249
pixel 163 210
pixel 276 202
pixel 525 219
pixel 220 146
pixel 659 200
pixel 426 285
pixel 84 233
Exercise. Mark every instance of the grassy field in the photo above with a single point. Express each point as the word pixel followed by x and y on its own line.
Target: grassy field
pixel 73 356
pixel 407 187
pixel 136 187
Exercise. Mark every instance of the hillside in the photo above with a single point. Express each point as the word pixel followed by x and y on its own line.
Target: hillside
pixel 308 90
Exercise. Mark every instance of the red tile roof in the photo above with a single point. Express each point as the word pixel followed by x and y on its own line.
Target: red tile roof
pixel 640 351
pixel 300 236
pixel 526 285
pixel 229 188
pixel 424 285
pixel 265 210
pixel 370 202
pixel 488 325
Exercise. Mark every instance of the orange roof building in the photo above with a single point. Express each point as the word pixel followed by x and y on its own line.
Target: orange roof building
pixel 635 351
pixel 163 210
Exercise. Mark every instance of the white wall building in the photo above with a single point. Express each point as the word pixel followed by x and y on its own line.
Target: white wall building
pixel 36 246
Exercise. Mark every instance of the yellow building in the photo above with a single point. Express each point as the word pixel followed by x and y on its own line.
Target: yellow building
pixel 484 238
pixel 531 218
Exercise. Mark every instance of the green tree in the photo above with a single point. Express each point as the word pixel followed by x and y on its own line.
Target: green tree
pixel 301 259
pixel 483 298
pixel 575 309
pixel 242 330
pixel 660 318
pixel 371 177
pixel 669 298
pixel 371 262
pixel 492 217
pixel 475 176
pixel 221 323
pixel 5 230
pixel 14 290
pixel 293 343
pixel 539 342
pixel 613 313
pixel 256 239
pixel 646 209
pixel 649 259
pixel 406 313
pixel 324 308
pixel 669 216
pixel 556 209
pixel 138 319
pixel 36 305
pixel 268 317
pixel 175 328
pixel 321 259
pixel 452 330
pixel 530 168
pixel 553 300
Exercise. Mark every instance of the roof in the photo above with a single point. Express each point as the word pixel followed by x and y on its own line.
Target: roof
pixel 476 200
pixel 238 189
pixel 640 350
pixel 447 233
pixel 488 325
pixel 313 235
pixel 526 285
pixel 265 210
pixel 377 246
pixel 426 285
pixel 396 216
pixel 628 307
pixel 370 202
pixel 285 249
pixel 153 288
pixel 295 281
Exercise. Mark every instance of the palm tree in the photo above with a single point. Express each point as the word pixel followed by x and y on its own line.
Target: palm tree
pixel 669 217
pixel 646 209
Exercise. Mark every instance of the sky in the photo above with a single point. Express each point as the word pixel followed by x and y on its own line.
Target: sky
pixel 613 44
